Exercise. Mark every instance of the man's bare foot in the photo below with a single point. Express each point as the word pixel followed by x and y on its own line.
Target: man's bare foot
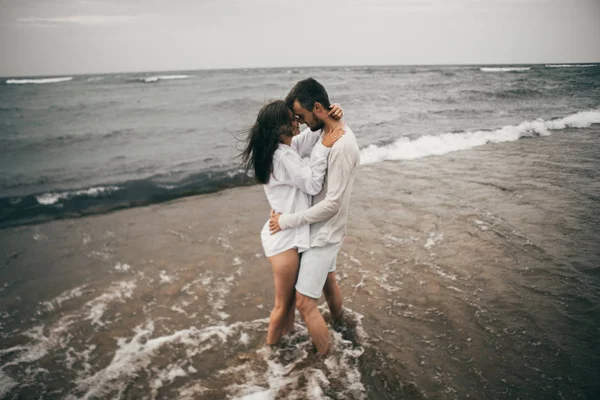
pixel 345 326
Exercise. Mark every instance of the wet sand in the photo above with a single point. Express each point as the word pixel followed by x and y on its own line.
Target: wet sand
pixel 471 275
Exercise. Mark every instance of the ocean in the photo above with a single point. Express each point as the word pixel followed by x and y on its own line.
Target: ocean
pixel 76 145
pixel 131 265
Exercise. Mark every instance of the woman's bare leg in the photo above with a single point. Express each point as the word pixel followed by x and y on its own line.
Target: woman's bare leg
pixel 285 271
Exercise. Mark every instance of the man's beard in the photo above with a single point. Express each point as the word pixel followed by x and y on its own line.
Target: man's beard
pixel 317 123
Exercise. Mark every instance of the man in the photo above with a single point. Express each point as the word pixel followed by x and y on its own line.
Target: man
pixel 328 215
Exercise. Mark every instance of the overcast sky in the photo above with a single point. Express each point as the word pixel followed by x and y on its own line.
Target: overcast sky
pixel 57 37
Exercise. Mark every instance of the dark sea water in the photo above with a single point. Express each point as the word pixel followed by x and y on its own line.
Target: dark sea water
pixel 75 145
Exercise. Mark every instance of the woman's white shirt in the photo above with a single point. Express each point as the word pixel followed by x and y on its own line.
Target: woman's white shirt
pixel 291 186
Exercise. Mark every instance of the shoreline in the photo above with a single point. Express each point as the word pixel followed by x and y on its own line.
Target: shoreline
pixel 101 197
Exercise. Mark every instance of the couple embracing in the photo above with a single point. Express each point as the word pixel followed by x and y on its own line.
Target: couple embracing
pixel 308 180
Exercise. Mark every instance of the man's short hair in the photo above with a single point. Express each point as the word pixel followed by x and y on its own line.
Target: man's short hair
pixel 308 92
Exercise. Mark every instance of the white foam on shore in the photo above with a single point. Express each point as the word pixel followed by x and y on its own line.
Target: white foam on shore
pixel 382 281
pixel 41 343
pixel 224 242
pixel 433 239
pixel 12 350
pixel 84 357
pixel 187 288
pixel 166 376
pixel 141 354
pixel 45 338
pixel 157 78
pixel 180 310
pixel 216 296
pixel 440 272
pixel 135 354
pixel 192 392
pixel 164 277
pixel 56 302
pixel 99 304
pixel 402 241
pixel 38 81
pixel 122 267
pixel 338 368
pixel 430 145
pixel 52 198
pixel 261 395
pixel 504 69
pixel 6 384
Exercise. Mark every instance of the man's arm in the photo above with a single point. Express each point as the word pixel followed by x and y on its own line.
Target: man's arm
pixel 340 169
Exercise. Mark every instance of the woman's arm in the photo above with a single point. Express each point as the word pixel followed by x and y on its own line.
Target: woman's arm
pixel 305 141
pixel 309 178
pixel 306 177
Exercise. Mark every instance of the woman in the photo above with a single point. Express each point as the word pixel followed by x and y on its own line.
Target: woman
pixel 274 151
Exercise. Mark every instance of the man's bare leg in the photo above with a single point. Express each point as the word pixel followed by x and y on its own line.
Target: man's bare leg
pixel 334 297
pixel 290 318
pixel 314 322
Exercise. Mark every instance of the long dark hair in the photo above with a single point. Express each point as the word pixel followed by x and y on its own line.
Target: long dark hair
pixel 273 120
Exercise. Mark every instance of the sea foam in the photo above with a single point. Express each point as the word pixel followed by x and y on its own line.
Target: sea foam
pixel 38 81
pixel 571 65
pixel 504 69
pixel 135 354
pixel 57 302
pixel 52 198
pixel 434 145
pixel 157 78
pixel 6 384
pixel 98 305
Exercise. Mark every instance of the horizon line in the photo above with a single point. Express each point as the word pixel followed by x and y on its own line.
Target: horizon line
pixel 306 66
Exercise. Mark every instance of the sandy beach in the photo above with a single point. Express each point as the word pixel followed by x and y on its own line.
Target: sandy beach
pixel 470 275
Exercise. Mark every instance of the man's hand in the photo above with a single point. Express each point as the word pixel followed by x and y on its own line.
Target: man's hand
pixel 274 222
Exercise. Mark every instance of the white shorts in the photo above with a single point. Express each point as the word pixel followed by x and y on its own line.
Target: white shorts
pixel 315 264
